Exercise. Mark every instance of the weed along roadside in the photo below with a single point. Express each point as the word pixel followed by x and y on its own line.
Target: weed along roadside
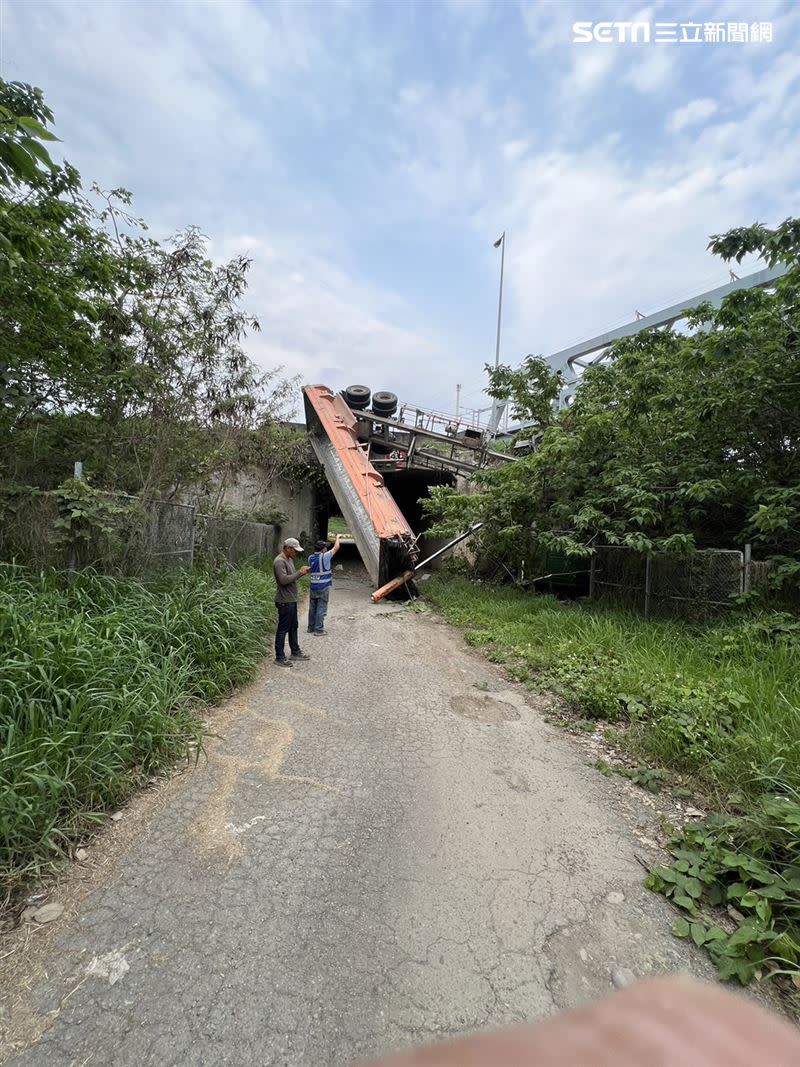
pixel 103 682
pixel 386 841
pixel 708 711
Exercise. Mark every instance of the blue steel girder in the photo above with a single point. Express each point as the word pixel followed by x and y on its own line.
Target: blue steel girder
pixel 566 360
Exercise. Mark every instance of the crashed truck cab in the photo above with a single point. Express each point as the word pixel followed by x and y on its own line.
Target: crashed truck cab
pixel 385 541
pixel 357 436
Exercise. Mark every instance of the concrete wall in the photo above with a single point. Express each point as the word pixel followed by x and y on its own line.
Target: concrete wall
pixel 431 545
pixel 466 550
pixel 251 493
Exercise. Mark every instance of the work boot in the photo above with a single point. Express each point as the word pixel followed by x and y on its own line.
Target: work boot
pixel 300 655
pixel 320 633
pixel 283 662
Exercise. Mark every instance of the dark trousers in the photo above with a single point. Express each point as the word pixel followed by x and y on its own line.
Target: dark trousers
pixel 287 624
pixel 318 609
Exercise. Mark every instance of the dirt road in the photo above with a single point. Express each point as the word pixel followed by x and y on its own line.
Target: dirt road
pixel 388 844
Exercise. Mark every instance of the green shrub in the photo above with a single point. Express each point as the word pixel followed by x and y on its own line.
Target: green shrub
pixel 751 865
pixel 719 700
pixel 101 683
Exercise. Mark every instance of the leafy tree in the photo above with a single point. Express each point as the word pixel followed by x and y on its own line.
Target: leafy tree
pixel 24 118
pixel 531 391
pixel 24 161
pixel 117 349
pixel 679 441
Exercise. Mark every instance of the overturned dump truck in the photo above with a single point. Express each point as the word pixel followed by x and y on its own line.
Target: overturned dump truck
pixel 386 542
pixel 356 442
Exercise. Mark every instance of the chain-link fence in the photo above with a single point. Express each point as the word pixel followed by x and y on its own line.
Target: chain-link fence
pixel 131 537
pixel 169 535
pixel 234 540
pixel 176 535
pixel 179 535
pixel 671 583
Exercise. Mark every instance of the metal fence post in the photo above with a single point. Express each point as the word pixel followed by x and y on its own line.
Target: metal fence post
pixel 746 561
pixel 77 474
pixel 592 564
pixel 647 588
pixel 192 534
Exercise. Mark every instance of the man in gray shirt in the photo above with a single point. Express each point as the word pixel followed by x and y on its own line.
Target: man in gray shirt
pixel 286 601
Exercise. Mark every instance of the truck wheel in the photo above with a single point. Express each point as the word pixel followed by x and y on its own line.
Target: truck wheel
pixel 384 403
pixel 357 397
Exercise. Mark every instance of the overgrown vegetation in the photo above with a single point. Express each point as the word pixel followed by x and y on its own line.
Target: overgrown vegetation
pixel 102 682
pixel 719 702
pixel 682 440
pixel 117 349
pixel 748 864
pixel 337 525
pixel 126 353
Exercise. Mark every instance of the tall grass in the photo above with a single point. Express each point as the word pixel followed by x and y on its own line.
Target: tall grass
pixel 102 682
pixel 719 701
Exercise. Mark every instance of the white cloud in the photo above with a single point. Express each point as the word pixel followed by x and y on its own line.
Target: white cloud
pixel 606 224
pixel 692 113
pixel 319 321
pixel 590 67
pixel 596 237
pixel 514 150
pixel 653 69
pixel 603 217
pixel 446 141
pixel 547 26
pixel 472 12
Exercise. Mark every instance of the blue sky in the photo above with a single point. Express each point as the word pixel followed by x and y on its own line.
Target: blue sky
pixel 366 155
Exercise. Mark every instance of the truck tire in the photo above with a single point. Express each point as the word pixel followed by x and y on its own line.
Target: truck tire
pixel 357 397
pixel 384 404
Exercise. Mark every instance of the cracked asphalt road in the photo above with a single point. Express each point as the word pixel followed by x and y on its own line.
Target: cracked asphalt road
pixel 387 845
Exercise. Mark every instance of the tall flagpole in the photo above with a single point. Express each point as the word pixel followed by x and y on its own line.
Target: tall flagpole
pixel 501 241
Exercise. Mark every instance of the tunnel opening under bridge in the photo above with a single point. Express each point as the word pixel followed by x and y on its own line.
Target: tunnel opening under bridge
pixel 408 487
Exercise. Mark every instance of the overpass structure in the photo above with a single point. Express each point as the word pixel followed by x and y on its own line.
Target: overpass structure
pixel 360 447
pixel 571 362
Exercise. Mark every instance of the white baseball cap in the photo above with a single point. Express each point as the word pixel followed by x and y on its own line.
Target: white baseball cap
pixel 292 542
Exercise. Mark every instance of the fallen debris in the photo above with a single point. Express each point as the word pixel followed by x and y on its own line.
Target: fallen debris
pixel 622 977
pixel 47 913
pixel 112 966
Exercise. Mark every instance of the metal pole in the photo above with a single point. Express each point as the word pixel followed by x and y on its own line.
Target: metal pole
pixel 592 565
pixel 406 576
pixel 745 583
pixel 448 546
pixel 77 474
pixel 458 401
pixel 502 242
pixel 647 589
pixel 500 299
pixel 193 534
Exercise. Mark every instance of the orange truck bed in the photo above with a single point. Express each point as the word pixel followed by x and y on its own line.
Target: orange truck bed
pixel 385 540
